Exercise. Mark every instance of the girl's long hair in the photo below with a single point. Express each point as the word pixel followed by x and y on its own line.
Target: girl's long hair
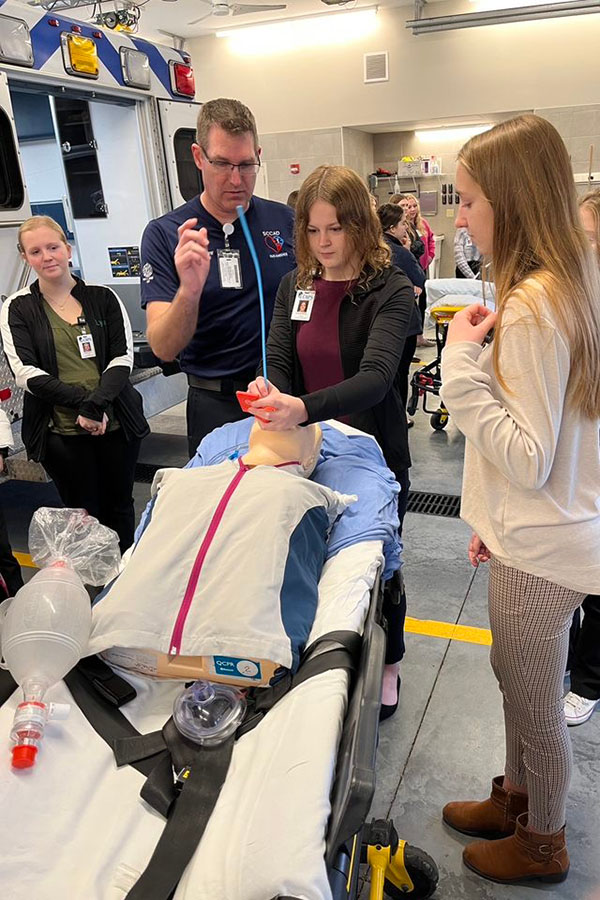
pixel 418 222
pixel 524 171
pixel 344 190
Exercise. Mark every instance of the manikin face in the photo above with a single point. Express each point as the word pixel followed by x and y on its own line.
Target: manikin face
pixel 475 212
pixel 589 226
pixel 46 253
pixel 226 189
pixel 412 208
pixel 329 243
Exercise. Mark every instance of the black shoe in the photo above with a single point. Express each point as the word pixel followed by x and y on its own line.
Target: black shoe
pixel 388 709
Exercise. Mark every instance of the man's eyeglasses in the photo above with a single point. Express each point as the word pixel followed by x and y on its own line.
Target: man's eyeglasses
pixel 223 166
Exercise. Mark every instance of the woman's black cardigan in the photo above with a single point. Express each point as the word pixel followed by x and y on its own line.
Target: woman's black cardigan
pixel 31 354
pixel 373 324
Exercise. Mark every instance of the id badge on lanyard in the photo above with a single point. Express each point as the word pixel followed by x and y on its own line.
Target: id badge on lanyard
pixel 85 340
pixel 230 266
pixel 230 269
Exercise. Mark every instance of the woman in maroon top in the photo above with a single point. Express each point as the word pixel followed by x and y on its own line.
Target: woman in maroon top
pixel 337 335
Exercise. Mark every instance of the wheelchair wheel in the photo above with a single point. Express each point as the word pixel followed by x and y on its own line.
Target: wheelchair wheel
pixel 423 874
pixel 439 419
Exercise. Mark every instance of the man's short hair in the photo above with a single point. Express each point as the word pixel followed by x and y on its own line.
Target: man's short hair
pixel 230 115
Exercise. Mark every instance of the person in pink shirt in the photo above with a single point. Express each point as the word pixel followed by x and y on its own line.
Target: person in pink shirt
pixel 422 246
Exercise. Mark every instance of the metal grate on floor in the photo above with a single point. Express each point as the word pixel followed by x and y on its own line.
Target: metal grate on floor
pixel 447 505
pixel 145 472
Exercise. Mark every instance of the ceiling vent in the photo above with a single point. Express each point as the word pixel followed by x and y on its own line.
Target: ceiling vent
pixel 376 67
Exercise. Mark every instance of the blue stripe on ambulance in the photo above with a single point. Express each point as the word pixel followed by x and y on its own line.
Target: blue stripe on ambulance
pixel 158 63
pixel 46 42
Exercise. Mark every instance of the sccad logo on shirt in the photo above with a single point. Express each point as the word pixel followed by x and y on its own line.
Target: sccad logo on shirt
pixel 274 241
pixel 147 273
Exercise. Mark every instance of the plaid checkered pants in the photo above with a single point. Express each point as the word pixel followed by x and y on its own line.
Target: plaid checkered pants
pixel 530 619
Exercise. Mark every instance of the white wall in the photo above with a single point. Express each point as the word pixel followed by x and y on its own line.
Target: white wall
pixel 455 73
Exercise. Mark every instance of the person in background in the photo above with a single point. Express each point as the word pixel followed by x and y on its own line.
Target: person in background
pixel 584 656
pixel 343 362
pixel 292 199
pixel 466 255
pixel 393 224
pixel 10 570
pixel 399 200
pixel 422 246
pixel 69 345
pixel 199 285
pixel 421 235
pixel 529 407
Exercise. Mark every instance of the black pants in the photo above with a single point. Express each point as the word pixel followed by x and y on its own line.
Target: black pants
pixel 394 596
pixel 97 474
pixel 422 302
pixel 410 345
pixel 207 410
pixel 584 650
pixel 9 567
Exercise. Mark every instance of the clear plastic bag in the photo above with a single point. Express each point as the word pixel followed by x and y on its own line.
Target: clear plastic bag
pixel 78 540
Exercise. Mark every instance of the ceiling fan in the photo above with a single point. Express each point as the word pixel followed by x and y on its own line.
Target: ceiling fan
pixel 224 8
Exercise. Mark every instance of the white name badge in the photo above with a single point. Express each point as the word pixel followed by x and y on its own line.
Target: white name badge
pixel 230 269
pixel 303 304
pixel 86 346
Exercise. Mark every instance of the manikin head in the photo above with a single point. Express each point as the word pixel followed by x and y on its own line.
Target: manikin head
pixel 272 448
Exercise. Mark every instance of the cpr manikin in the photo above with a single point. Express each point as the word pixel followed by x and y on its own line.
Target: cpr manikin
pixel 223 582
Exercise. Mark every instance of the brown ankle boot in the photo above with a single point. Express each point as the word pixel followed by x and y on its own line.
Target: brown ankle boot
pixel 492 818
pixel 523 857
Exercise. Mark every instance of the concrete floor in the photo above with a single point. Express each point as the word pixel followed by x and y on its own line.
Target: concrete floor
pixel 446 740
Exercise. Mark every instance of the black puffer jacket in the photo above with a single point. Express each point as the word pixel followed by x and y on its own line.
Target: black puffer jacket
pixel 31 354
pixel 373 325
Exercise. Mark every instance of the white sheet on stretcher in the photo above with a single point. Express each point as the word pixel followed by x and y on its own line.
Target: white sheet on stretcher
pixel 75 826
pixel 459 292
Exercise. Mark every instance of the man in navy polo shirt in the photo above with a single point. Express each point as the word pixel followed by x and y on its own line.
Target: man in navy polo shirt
pixel 199 286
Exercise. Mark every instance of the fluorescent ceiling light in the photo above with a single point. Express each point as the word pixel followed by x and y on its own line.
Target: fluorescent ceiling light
pixel 451 134
pixel 296 34
pixel 507 4
pixel 496 16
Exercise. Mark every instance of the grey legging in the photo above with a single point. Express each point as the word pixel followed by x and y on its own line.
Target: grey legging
pixel 530 619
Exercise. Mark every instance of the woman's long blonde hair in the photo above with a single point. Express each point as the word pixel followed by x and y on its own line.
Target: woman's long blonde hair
pixel 419 222
pixel 343 189
pixel 523 169
pixel 591 202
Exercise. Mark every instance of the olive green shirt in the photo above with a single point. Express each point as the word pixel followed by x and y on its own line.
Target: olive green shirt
pixel 72 369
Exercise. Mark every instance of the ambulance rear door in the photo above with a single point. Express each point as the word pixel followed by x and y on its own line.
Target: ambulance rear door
pixel 178 126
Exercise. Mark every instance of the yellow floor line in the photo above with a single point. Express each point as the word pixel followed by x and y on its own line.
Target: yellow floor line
pixel 24 559
pixel 449 631
pixel 414 626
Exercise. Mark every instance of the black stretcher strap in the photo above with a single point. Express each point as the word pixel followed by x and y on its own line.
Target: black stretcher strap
pixel 189 804
pixel 186 823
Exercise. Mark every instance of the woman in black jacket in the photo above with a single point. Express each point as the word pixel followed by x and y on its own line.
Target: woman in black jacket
pixel 337 335
pixel 70 347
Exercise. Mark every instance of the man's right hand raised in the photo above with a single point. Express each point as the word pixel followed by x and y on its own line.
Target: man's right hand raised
pixel 192 259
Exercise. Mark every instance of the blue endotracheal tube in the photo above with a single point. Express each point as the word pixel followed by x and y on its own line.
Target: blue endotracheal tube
pixel 261 296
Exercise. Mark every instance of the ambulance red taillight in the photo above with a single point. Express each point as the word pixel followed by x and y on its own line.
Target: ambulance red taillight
pixel 182 79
